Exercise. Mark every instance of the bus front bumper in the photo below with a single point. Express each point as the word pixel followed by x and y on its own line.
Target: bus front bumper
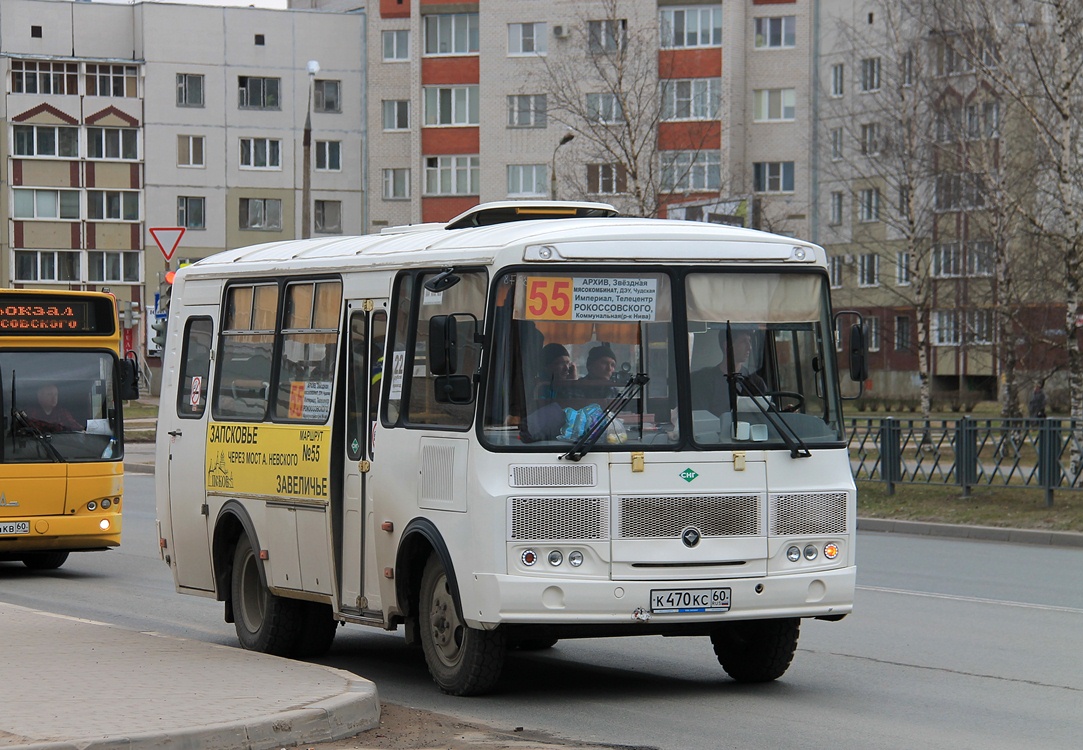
pixel 71 532
pixel 506 599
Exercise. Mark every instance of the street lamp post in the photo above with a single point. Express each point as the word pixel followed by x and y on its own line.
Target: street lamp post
pixel 306 156
pixel 553 166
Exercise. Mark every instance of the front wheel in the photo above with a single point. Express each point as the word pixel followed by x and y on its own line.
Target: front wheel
pixel 264 622
pixel 45 560
pixel 756 650
pixel 462 660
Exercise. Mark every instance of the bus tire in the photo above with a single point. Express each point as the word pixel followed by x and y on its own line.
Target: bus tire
pixel 45 560
pixel 462 660
pixel 264 622
pixel 756 650
pixel 318 626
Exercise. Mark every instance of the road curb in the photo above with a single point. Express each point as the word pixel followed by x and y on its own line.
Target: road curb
pixel 980 533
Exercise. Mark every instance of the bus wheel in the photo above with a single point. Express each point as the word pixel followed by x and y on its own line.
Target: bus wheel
pixel 756 650
pixel 318 626
pixel 462 660
pixel 264 622
pixel 44 560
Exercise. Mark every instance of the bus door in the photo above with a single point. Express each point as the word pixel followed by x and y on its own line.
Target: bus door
pixel 187 454
pixel 359 583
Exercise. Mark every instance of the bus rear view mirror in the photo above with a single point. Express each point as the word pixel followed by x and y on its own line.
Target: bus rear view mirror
pixel 443 345
pixel 129 378
pixel 453 389
pixel 859 361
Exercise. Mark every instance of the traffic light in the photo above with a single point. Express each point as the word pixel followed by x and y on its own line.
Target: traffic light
pixel 161 319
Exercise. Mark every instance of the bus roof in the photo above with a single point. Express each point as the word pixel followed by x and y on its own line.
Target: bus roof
pixel 603 238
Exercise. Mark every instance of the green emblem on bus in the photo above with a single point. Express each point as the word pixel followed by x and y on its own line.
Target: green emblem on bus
pixel 688 475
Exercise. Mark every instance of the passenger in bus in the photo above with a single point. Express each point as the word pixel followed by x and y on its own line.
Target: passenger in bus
pixel 556 382
pixel 558 370
pixel 601 365
pixel 48 416
pixel 710 386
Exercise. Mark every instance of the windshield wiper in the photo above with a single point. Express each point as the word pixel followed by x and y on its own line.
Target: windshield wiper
pixel 797 446
pixel 29 426
pixel 612 409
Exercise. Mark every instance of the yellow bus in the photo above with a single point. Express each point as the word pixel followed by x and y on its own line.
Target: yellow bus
pixel 63 380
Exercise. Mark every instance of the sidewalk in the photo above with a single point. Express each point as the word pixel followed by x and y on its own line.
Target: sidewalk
pixel 80 684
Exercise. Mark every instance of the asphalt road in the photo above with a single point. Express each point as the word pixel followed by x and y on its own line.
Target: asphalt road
pixel 954 644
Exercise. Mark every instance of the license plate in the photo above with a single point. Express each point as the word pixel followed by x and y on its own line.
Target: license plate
pixel 14 527
pixel 675 601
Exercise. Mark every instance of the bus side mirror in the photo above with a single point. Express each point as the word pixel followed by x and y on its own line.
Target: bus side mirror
pixel 443 345
pixel 129 378
pixel 859 359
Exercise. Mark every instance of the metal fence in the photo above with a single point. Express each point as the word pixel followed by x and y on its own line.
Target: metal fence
pixel 1044 454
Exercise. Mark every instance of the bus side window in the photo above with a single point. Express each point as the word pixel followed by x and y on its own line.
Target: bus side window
pixel 195 367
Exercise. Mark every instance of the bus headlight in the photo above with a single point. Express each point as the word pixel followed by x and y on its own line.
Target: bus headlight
pixel 575 559
pixel 104 524
pixel 556 557
pixel 811 552
pixel 106 502
pixel 92 505
pixel 793 554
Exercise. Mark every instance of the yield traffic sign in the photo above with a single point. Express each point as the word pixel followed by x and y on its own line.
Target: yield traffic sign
pixel 167 239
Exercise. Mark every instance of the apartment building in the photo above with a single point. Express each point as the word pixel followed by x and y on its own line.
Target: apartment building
pixel 120 119
pixel 473 102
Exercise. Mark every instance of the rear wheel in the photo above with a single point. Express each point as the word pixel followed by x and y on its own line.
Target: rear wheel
pixel 462 660
pixel 44 560
pixel 756 650
pixel 264 622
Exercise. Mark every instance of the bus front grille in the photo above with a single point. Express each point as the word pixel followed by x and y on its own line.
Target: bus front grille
pixel 808 513
pixel 713 515
pixel 559 518
pixel 553 475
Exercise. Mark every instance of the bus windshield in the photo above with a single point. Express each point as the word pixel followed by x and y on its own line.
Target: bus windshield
pixel 58 406
pixel 566 343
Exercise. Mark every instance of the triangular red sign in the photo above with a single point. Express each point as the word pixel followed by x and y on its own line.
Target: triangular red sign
pixel 167 239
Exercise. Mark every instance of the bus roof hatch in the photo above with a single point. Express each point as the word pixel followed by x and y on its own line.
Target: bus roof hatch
pixel 501 212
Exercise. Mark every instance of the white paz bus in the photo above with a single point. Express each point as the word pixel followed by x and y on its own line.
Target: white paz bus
pixel 536 422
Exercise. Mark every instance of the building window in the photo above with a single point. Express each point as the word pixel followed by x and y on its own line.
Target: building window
pixel 112 205
pixel 396 114
pixel 112 143
pixel 111 80
pixel 772 177
pixel 947 260
pixel 114 267
pixel 190 151
pixel 527 38
pixel 945 324
pixel 526 111
pixel 870 74
pixel 46 204
pixel 261 153
pixel 685 171
pixel 872 333
pixel 980 258
pixel 956 191
pixel 837 199
pixel 774 105
pixel 452 175
pixel 451 33
pixel 691 27
pixel 396 44
pixel 979 326
pixel 46 265
pixel 191 212
pixel 691 99
pixel 608 35
pixel 189 90
pixel 258 93
pixel 837 145
pixel 869 200
pixel 906 67
pixel 32 77
pixel 870 139
pixel 604 108
pixel 527 179
pixel 776 33
pixel 902 268
pixel 607 179
pixel 838 80
pixel 868 270
pixel 327 96
pixel 328 217
pixel 328 156
pixel 261 213
pixel 454 105
pixel 834 269
pixel 46 140
pixel 396 184
pixel 902 333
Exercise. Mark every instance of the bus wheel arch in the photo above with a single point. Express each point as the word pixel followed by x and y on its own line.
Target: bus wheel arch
pixel 419 541
pixel 232 523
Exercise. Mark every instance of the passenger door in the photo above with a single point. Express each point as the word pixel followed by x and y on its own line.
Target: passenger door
pixel 187 467
pixel 359 582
